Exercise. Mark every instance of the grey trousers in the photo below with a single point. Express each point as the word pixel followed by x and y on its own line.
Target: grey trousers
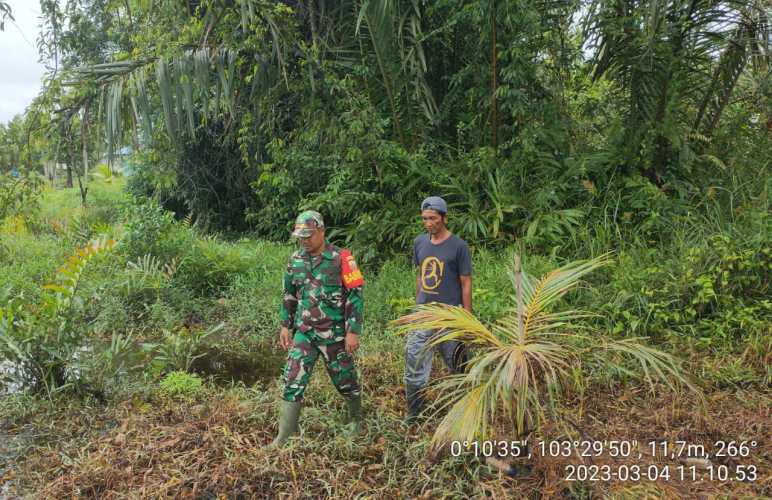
pixel 418 357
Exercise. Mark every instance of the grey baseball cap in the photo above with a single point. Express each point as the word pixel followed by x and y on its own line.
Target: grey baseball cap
pixel 435 203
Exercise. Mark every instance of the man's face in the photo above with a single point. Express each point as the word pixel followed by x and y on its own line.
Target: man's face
pixel 433 221
pixel 314 244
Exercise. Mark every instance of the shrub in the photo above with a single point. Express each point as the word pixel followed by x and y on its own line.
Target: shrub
pixel 178 349
pixel 137 295
pixel 149 229
pixel 181 385
pixel 388 293
pixel 208 266
pixel 104 366
pixel 714 292
pixel 203 176
pixel 25 261
pixel 44 340
pixel 153 177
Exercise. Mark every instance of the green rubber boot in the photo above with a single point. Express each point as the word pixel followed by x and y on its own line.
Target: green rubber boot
pixel 288 422
pixel 354 425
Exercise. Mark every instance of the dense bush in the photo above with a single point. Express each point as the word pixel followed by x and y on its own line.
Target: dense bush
pixel 715 293
pixel 152 176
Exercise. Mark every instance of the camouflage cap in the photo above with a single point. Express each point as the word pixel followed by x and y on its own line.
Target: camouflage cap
pixel 306 223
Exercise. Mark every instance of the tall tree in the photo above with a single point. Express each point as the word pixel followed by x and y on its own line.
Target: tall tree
pixel 663 54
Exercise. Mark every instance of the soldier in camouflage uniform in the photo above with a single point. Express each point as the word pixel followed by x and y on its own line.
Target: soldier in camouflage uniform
pixel 322 308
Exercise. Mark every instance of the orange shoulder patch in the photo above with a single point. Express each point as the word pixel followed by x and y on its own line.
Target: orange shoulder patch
pixel 352 275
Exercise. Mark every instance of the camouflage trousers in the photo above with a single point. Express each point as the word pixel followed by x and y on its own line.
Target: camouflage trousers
pixel 302 358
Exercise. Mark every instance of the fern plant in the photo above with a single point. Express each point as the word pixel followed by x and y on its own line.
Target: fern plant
pixel 42 341
pixel 525 355
pixel 147 273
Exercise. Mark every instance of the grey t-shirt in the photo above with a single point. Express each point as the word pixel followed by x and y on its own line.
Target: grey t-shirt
pixel 439 267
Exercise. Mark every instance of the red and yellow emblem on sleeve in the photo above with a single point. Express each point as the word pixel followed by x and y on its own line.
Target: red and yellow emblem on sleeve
pixel 352 276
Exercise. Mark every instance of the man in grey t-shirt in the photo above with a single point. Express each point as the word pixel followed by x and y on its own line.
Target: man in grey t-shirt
pixel 444 274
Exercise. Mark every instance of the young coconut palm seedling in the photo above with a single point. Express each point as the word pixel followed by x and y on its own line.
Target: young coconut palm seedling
pixel 521 359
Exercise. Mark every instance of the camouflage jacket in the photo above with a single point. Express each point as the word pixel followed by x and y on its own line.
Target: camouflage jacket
pixel 315 297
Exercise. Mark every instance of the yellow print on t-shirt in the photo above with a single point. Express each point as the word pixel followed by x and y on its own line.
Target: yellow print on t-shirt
pixel 432 270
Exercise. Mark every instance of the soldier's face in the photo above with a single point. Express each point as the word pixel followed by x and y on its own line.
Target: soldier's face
pixel 433 221
pixel 314 244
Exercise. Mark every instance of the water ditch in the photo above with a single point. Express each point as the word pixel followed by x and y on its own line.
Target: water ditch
pixel 8 383
pixel 249 367
pixel 221 365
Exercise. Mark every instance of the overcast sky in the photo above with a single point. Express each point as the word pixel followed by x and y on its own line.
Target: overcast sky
pixel 20 72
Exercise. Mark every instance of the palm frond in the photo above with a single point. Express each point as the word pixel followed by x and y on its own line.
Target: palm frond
pixel 456 321
pixel 656 365
pixel 165 94
pixel 203 77
pixel 113 100
pixel 187 79
pixel 541 294
pixel 186 75
pixel 141 102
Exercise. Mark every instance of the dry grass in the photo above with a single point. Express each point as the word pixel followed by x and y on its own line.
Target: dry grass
pixel 213 447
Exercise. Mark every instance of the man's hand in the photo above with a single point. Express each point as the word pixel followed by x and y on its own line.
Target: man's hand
pixel 284 338
pixel 466 292
pixel 352 342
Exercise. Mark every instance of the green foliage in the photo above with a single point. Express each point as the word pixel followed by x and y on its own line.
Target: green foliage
pixel 715 294
pixel 178 349
pixel 202 177
pixel 181 385
pixel 149 229
pixel 105 366
pixel 153 176
pixel 44 340
pixel 61 215
pixel 25 262
pixel 532 125
pixel 250 302
pixel 146 315
pixel 139 295
pixel 20 195
pixel 389 292
pixel 208 265
pixel 360 180
pixel 104 173
pixel 676 95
